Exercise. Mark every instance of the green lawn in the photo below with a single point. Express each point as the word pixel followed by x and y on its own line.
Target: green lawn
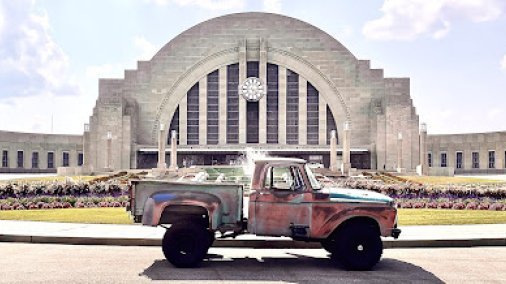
pixel 450 180
pixel 71 215
pixel 407 217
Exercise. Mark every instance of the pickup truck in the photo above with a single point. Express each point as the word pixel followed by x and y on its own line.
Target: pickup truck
pixel 285 200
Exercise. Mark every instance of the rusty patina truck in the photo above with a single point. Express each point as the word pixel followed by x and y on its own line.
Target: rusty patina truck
pixel 285 200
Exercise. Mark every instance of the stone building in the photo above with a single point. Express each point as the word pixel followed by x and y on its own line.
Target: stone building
pixel 197 85
pixel 254 81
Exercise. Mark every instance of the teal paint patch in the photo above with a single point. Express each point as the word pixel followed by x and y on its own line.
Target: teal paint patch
pixel 356 195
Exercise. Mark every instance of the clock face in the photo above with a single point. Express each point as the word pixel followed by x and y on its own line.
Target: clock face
pixel 252 89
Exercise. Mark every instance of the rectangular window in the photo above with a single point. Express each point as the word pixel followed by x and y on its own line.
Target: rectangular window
pixel 476 160
pixel 50 160
pixel 65 159
pixel 443 160
pixel 35 160
pixel 80 159
pixel 252 117
pixel 292 107
pixel 459 160
pixel 491 159
pixel 192 116
pixel 313 118
pixel 213 84
pixel 272 103
pixel 233 103
pixel 21 163
pixel 5 159
pixel 429 159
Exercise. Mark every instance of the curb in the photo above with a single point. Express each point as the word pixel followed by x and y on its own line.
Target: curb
pixel 246 243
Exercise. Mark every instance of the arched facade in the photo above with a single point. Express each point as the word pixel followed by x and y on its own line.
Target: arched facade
pixel 314 85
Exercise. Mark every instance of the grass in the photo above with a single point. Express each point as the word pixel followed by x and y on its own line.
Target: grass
pixel 412 217
pixel 71 215
pixel 407 217
pixel 450 180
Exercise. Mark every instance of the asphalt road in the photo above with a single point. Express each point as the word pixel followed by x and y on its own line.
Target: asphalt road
pixel 22 263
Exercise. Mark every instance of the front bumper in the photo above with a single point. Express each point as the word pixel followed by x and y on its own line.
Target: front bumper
pixel 396 232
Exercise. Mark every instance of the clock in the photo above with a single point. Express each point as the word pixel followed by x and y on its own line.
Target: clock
pixel 252 89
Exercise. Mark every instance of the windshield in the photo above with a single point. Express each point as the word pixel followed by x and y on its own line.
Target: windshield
pixel 315 184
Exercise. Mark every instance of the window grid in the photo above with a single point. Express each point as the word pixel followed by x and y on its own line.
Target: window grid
pixel 272 103
pixel 252 108
pixel 5 159
pixel 491 159
pixel 192 118
pixel 292 107
pixel 331 125
pixel 459 160
pixel 80 159
pixel 312 115
pixel 65 159
pixel 20 159
pixel 233 103
pixel 50 160
pixel 443 160
pixel 429 159
pixel 213 107
pixel 35 160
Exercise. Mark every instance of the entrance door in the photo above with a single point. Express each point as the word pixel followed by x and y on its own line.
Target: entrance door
pixel 282 207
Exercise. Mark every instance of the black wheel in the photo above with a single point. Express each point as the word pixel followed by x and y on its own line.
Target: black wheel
pixel 185 245
pixel 211 238
pixel 358 247
pixel 329 244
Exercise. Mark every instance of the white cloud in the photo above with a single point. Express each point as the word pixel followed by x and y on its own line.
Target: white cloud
pixel 146 48
pixel 272 6
pixel 34 73
pixel 204 4
pixel 503 63
pixel 408 19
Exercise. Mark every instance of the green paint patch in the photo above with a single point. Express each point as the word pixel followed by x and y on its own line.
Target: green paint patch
pixel 415 217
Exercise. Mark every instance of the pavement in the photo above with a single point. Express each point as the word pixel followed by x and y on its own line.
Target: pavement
pixel 138 235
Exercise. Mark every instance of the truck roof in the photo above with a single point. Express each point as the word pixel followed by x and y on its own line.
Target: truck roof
pixel 281 160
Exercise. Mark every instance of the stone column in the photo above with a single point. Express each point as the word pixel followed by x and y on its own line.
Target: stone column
pixel 262 104
pixel 322 121
pixel 108 158
pixel 302 111
pixel 161 147
pixel 282 105
pixel 346 149
pixel 333 151
pixel 424 168
pixel 242 101
pixel 173 151
pixel 399 153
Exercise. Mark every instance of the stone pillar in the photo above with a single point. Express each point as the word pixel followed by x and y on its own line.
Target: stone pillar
pixel 302 111
pixel 424 168
pixel 108 158
pixel 222 108
pixel 262 104
pixel 173 151
pixel 242 101
pixel 346 149
pixel 399 153
pixel 282 105
pixel 161 147
pixel 333 151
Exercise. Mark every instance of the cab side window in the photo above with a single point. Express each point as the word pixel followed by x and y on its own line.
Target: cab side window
pixel 284 179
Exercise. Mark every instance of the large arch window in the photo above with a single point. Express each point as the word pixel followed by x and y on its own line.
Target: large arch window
pixel 232 103
pixel 192 101
pixel 312 115
pixel 212 107
pixel 272 103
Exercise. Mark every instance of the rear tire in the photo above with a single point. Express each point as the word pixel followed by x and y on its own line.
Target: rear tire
pixel 185 245
pixel 358 247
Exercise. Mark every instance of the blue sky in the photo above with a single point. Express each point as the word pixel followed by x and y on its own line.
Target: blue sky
pixel 52 52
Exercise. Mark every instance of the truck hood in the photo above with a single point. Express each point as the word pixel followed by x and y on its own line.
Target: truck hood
pixel 355 195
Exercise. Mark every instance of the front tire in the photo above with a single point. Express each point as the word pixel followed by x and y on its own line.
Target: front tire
pixel 358 247
pixel 185 245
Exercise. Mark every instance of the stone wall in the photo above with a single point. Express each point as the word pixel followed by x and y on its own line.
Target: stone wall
pixel 12 142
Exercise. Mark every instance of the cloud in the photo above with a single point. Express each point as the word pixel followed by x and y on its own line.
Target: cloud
pixel 272 6
pixel 146 48
pixel 409 19
pixel 204 4
pixel 503 63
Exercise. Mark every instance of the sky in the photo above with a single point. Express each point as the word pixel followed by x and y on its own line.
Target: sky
pixel 52 52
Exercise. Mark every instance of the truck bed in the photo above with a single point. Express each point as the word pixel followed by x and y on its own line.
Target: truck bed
pixel 229 194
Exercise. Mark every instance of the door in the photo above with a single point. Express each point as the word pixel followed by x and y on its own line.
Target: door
pixel 283 207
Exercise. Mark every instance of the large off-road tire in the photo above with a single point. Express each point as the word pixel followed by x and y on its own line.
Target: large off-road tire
pixel 185 245
pixel 358 246
pixel 329 244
